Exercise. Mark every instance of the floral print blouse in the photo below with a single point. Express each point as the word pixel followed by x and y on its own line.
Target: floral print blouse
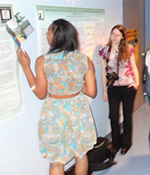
pixel 125 72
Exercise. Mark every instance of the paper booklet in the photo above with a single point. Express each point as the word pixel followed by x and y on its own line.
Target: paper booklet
pixel 19 28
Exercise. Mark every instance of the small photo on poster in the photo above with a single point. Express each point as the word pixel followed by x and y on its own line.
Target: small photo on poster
pixel 40 14
pixel 5 15
pixel 132 38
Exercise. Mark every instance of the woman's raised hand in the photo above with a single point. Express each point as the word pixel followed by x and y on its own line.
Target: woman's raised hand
pixel 23 58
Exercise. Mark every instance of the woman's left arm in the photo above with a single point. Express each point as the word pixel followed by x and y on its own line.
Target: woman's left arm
pixel 136 73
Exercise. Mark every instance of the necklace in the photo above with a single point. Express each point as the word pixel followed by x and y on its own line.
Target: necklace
pixel 114 49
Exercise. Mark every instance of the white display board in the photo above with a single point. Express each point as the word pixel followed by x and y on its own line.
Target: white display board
pixel 90 24
pixel 11 97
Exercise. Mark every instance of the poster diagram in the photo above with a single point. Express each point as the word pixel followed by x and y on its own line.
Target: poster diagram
pixel 90 24
pixel 11 96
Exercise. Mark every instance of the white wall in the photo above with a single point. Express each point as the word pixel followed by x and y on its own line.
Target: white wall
pixel 19 151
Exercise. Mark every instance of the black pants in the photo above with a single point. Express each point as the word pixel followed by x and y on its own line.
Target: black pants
pixel 126 96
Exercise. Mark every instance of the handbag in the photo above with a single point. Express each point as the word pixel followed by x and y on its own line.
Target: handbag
pixel 101 156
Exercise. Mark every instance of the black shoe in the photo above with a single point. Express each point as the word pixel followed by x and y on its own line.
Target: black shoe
pixel 124 150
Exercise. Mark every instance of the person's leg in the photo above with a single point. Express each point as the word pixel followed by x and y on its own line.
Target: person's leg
pixel 114 103
pixel 81 166
pixel 56 169
pixel 128 97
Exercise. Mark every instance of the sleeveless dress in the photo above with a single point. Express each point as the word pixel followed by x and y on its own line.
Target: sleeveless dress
pixel 66 126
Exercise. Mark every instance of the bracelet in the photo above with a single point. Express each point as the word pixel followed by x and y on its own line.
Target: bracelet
pixel 33 87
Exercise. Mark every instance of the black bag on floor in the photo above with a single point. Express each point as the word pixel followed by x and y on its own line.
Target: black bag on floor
pixel 101 156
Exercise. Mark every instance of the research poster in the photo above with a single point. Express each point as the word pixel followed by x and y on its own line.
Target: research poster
pixel 11 96
pixel 90 24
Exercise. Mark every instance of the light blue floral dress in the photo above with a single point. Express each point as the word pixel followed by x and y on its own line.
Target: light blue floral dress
pixel 66 126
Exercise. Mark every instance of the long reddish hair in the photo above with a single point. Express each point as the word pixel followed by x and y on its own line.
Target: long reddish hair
pixel 123 46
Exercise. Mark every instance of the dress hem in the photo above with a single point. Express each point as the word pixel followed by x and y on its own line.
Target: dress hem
pixel 65 162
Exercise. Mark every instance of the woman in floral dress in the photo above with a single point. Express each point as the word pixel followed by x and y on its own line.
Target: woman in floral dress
pixel 63 77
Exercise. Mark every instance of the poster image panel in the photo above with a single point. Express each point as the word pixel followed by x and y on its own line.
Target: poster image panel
pixel 5 13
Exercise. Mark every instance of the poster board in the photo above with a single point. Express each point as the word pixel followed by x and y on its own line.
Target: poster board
pixel 11 96
pixel 90 24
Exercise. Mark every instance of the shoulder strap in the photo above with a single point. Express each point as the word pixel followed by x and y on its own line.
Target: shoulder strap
pixel 107 60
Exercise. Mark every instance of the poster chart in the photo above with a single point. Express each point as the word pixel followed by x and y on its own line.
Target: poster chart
pixel 90 24
pixel 11 97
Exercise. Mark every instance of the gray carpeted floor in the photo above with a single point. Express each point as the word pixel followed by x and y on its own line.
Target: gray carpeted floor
pixel 137 159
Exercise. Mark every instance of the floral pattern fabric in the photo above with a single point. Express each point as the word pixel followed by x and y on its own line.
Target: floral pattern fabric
pixel 66 126
pixel 125 73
